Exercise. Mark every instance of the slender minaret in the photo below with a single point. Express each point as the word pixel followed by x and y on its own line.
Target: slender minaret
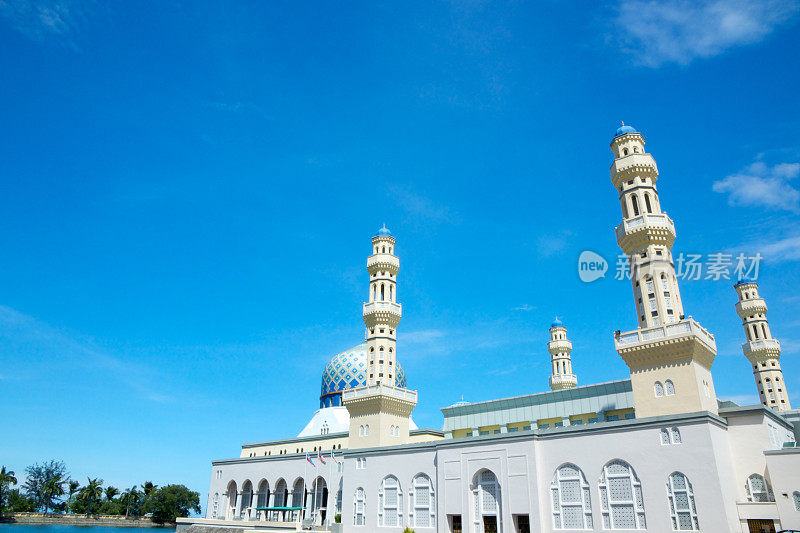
pixel 669 356
pixel 560 348
pixel 382 313
pixel 380 412
pixel 761 349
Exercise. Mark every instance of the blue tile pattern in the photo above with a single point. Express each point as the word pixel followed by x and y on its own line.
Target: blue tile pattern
pixel 348 370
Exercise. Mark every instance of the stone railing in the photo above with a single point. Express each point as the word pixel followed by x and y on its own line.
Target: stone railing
pixel 386 307
pixel 665 331
pixel 751 307
pixel 632 161
pixel 374 390
pixel 384 259
pixel 649 220
pixel 560 345
pixel 764 345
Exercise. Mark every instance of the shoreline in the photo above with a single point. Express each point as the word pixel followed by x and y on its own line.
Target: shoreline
pixel 81 520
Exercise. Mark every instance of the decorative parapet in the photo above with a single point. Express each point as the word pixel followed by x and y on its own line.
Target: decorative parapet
pixel 559 346
pixel 679 340
pixel 645 229
pixel 388 262
pixel 382 313
pixel 380 389
pixel 563 381
pixel 753 306
pixel 632 165
pixel 763 349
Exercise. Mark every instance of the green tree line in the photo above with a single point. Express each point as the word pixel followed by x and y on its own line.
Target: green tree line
pixel 48 488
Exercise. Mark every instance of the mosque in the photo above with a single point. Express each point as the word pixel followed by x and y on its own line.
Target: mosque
pixel 653 451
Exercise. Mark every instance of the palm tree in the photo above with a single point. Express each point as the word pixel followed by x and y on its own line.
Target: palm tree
pixel 111 492
pixel 51 489
pixel 92 493
pixel 148 487
pixel 7 479
pixel 73 488
pixel 130 498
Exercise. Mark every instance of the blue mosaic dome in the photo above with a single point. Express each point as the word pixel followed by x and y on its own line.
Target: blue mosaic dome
pixel 622 130
pixel 348 370
pixel 556 323
pixel 384 231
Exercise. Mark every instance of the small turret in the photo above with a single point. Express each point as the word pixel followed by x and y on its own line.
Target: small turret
pixel 560 349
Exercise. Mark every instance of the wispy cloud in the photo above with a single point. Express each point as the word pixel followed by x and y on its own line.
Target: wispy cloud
pixel 421 207
pixel 761 185
pixel 553 243
pixel 740 399
pixel 525 307
pixel 40 19
pixel 655 32
pixel 423 336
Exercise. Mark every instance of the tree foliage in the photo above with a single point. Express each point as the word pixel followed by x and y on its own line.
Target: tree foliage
pixel 7 480
pixel 44 483
pixel 172 501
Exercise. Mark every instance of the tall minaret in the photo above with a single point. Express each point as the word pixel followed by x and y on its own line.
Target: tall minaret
pixel 560 348
pixel 382 313
pixel 380 412
pixel 669 356
pixel 761 349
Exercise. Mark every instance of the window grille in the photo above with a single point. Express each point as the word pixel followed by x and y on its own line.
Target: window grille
pixel 572 508
pixel 621 498
pixel 359 507
pixel 758 490
pixel 390 503
pixel 421 498
pixel 680 496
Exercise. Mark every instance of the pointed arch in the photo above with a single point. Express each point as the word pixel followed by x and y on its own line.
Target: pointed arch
pixel 647 203
pixel 486 500
pixel 658 389
pixel 572 506
pixel 247 498
pixel 232 498
pixel 262 496
pixel 621 499
pixel 635 205
pixel 390 502
pixel 421 502
pixel 359 507
pixel 669 388
pixel 682 509
pixel 758 489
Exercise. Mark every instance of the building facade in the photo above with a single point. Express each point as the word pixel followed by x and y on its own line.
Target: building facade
pixel 654 451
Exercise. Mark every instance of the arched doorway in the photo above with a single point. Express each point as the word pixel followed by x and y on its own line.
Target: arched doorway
pixel 247 500
pixel 230 502
pixel 280 500
pixel 262 499
pixel 319 501
pixel 486 503
pixel 298 497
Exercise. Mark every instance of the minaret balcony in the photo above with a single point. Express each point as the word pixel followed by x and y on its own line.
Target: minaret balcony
pixel 563 381
pixel 761 350
pixel 633 165
pixel 753 306
pixel 668 342
pixel 559 346
pixel 382 313
pixel 637 232
pixel 388 262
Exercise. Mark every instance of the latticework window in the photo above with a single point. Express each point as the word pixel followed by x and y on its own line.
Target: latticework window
pixel 796 498
pixel 682 508
pixel 572 507
pixel 359 502
pixel 758 490
pixel 390 503
pixel 669 388
pixel 658 389
pixel 421 500
pixel 486 498
pixel 665 436
pixel 215 505
pixel 621 500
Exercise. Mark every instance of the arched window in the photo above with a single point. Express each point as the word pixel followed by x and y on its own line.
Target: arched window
pixel 421 502
pixel 669 388
pixel 486 500
pixel 360 431
pixel 366 430
pixel 635 149
pixel 298 495
pixel 764 330
pixel 572 506
pixel 232 495
pixel 621 500
pixel 215 505
pixel 665 436
pixel 390 293
pixel 247 498
pixel 796 498
pixel 390 503
pixel 758 490
pixel 635 206
pixel 624 151
pixel 262 496
pixel 676 435
pixel 358 507
pixel 382 287
pixel 647 203
pixel 681 503
pixel 659 389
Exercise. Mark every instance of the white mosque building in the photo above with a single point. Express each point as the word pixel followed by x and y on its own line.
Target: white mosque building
pixel 653 451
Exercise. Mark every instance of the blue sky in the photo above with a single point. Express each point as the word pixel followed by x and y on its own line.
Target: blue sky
pixel 189 190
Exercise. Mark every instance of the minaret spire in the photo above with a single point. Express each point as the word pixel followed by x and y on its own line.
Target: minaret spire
pixel 560 349
pixel 382 313
pixel 669 356
pixel 761 349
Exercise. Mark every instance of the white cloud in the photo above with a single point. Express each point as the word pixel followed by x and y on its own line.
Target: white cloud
pixel 525 307
pixel 655 32
pixel 421 207
pixel 423 336
pixel 42 18
pixel 760 185
pixel 553 243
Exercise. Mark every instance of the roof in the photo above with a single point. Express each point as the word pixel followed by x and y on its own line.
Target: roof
pixel 593 398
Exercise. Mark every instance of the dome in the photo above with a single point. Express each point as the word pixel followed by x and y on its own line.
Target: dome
pixel 557 323
pixel 384 231
pixel 622 130
pixel 348 370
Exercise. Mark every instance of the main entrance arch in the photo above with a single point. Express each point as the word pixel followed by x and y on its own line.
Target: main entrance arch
pixel 319 500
